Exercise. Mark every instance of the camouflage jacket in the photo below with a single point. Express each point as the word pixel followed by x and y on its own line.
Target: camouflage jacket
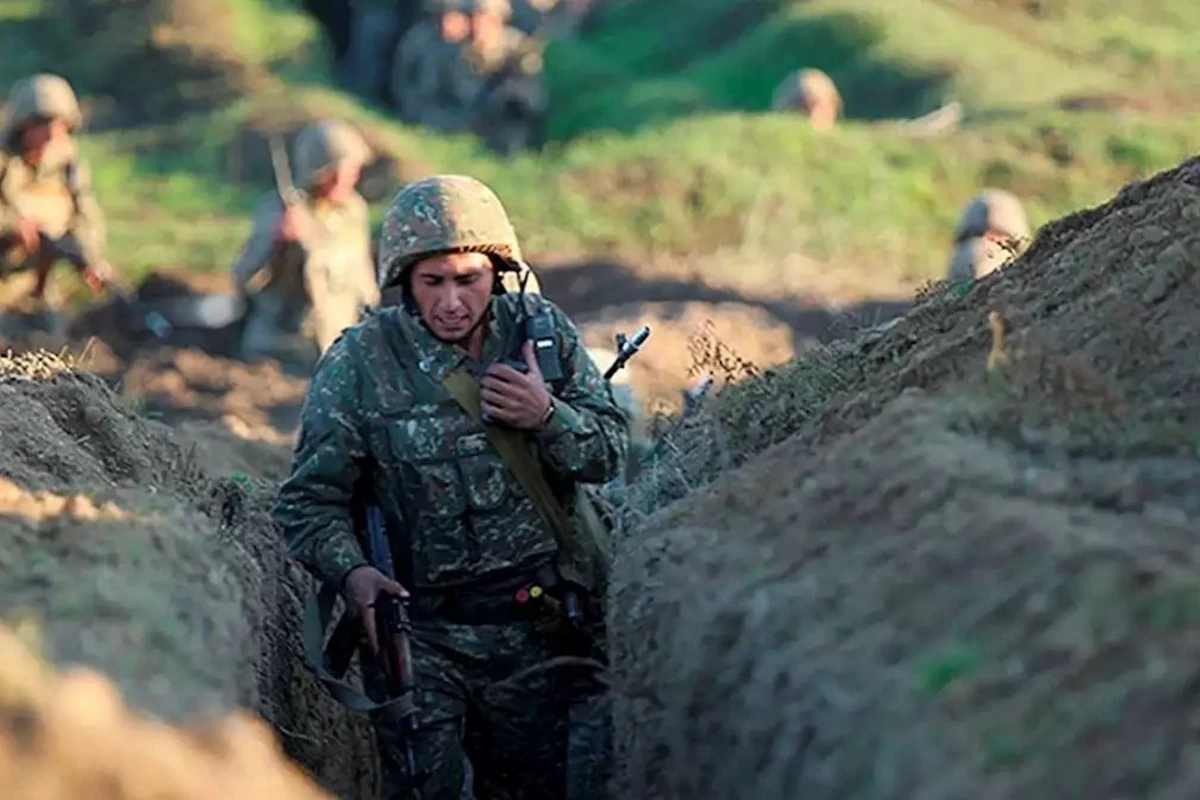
pixel 376 410
pixel 57 194
pixel 331 270
pixel 425 84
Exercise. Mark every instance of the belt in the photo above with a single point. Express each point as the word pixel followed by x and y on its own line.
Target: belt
pixel 523 598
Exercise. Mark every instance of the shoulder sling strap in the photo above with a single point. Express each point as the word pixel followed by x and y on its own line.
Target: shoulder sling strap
pixel 511 446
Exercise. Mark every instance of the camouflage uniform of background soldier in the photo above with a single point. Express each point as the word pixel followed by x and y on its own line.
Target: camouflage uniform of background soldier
pixel 468 70
pixel 810 92
pixel 530 15
pixel 992 230
pixel 423 76
pixel 48 211
pixel 504 69
pixel 377 416
pixel 311 263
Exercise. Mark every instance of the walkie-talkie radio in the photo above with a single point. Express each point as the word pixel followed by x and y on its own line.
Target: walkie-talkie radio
pixel 538 328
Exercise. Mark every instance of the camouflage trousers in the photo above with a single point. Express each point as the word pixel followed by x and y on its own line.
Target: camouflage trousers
pixel 497 719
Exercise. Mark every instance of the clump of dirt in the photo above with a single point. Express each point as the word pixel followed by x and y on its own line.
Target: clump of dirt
pixel 148 562
pixel 157 58
pixel 69 735
pixel 971 568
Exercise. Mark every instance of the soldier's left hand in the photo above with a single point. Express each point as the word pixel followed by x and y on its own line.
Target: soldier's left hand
pixel 96 274
pixel 518 400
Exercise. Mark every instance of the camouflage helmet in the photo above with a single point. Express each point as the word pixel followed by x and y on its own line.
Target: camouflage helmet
pixel 499 8
pixel 993 210
pixel 42 95
pixel 323 145
pixel 443 214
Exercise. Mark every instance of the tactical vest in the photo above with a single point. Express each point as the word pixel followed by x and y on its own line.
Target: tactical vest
pixel 460 509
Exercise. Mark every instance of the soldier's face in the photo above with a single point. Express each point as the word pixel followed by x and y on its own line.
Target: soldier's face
pixel 338 184
pixel 456 26
pixel 823 116
pixel 38 135
pixel 452 292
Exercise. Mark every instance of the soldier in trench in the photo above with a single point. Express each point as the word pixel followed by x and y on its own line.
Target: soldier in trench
pixel 992 230
pixel 812 93
pixel 487 571
pixel 308 264
pixel 48 210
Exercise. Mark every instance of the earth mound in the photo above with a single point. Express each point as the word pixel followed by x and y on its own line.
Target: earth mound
pixel 156 58
pixel 959 556
pixel 144 560
pixel 70 735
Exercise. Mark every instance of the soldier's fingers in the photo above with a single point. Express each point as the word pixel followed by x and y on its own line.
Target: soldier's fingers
pixel 502 413
pixel 500 397
pixel 395 588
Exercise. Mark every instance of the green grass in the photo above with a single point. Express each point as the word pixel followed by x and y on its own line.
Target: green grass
pixel 661 150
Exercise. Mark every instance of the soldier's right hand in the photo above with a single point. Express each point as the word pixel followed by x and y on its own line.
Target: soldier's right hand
pixel 362 586
pixel 26 231
pixel 292 225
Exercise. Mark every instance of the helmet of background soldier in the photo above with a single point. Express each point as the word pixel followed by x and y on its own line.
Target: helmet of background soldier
pixel 323 145
pixel 499 8
pixel 44 96
pixel 444 214
pixel 993 210
pixel 808 90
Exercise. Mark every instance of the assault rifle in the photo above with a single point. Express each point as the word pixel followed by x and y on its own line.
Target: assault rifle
pixel 627 348
pixel 394 628
pixel 152 321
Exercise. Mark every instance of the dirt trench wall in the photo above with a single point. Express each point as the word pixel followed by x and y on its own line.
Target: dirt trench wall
pixel 70 736
pixel 136 561
pixel 949 581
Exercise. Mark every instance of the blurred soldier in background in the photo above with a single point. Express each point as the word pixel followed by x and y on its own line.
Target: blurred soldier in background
pixel 503 69
pixel 467 69
pixel 48 211
pixel 310 261
pixel 992 230
pixel 810 92
pixel 424 82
